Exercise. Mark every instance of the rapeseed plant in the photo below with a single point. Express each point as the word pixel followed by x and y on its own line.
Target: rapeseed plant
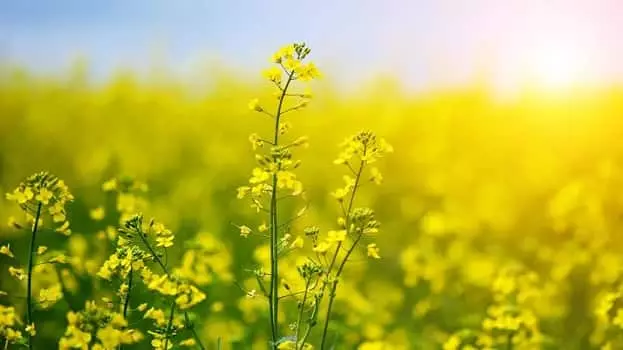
pixel 41 197
pixel 274 180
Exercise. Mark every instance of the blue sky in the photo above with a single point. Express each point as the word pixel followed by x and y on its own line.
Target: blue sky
pixel 426 42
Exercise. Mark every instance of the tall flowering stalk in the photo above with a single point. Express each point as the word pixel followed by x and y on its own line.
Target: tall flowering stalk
pixel 274 180
pixel 274 177
pixel 355 223
pixel 40 196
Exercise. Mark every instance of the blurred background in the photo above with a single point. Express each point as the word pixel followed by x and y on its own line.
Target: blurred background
pixel 506 119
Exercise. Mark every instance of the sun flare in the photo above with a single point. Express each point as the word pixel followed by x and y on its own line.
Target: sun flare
pixel 556 68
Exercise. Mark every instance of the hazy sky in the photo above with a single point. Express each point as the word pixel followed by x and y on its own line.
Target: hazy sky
pixel 424 41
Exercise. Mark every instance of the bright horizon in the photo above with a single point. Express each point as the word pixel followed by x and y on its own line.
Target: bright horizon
pixel 552 44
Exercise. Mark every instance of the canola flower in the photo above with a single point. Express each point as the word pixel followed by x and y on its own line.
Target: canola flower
pixel 40 196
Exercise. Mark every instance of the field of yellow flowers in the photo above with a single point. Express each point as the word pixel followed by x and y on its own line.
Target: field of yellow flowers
pixel 499 222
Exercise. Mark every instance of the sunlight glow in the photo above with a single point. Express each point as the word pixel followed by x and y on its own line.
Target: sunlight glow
pixel 558 68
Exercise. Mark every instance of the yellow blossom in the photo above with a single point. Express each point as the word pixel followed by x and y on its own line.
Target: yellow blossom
pixel 297 242
pixel 17 273
pixel 245 231
pixel 164 241
pixel 44 196
pixel 97 214
pixel 109 185
pixel 373 251
pixel 188 342
pixel 336 236
pixel 254 105
pixel 322 247
pixel 6 250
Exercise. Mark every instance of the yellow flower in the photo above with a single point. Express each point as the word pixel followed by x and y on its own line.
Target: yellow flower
pixel 298 242
pixel 17 273
pixel 376 176
pixel 49 296
pixel 60 259
pixel 188 342
pixel 6 250
pixel 273 74
pixel 453 343
pixel 20 196
pixel 64 229
pixel 322 247
pixel 109 185
pixel 373 251
pixel 254 105
pixel 251 294
pixel 30 329
pixel 263 227
pixel 157 315
pixel 336 236
pixel 307 72
pixel 98 213
pixel 245 231
pixel 339 194
pixel 41 249
pixel 44 196
pixel 164 241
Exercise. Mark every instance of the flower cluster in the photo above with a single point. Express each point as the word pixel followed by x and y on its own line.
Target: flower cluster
pixel 40 194
pixel 10 326
pixel 138 244
pixel 97 327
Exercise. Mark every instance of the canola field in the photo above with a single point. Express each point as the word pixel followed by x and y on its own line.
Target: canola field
pixel 487 224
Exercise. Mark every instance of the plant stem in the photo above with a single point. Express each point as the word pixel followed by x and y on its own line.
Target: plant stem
pixel 126 302
pixel 274 230
pixel 31 262
pixel 193 331
pixel 312 320
pixel 302 309
pixel 169 326
pixel 332 292
pixel 351 201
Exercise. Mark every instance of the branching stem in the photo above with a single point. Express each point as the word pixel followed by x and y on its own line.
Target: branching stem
pixel 31 263
pixel 274 230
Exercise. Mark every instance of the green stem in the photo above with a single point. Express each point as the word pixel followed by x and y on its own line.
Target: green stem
pixel 302 309
pixel 126 302
pixel 169 326
pixel 31 263
pixel 333 292
pixel 274 231
pixel 343 263
pixel 312 320
pixel 193 331
pixel 347 214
